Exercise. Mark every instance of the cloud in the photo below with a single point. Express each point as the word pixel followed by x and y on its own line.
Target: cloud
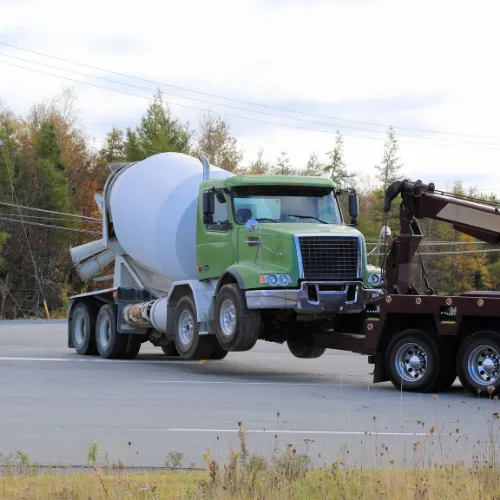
pixel 428 65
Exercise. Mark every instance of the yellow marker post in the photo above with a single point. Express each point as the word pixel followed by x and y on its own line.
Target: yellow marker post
pixel 46 309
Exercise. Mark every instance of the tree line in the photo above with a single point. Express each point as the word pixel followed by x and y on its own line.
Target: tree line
pixel 48 162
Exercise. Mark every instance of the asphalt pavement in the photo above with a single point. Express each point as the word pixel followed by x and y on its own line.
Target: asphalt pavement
pixel 54 404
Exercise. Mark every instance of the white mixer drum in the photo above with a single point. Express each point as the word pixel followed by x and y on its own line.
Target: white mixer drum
pixel 153 205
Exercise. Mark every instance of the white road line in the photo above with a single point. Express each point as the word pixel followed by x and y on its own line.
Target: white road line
pixel 100 360
pixel 271 431
pixel 228 382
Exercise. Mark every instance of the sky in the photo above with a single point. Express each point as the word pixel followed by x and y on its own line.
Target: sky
pixel 427 68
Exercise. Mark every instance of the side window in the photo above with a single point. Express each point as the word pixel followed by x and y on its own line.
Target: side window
pixel 220 219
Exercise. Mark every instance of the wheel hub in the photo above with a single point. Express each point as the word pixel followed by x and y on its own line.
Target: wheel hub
pixel 186 326
pixel 79 328
pixel 411 362
pixel 105 332
pixel 228 318
pixel 484 365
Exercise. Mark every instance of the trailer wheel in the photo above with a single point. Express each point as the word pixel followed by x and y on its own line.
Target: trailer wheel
pixel 110 343
pixel 169 349
pixel 188 341
pixel 413 361
pixel 304 351
pixel 237 327
pixel 82 325
pixel 478 363
pixel 219 352
pixel 134 343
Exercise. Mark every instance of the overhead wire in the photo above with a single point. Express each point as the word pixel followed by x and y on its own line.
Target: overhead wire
pixel 59 68
pixel 330 132
pixel 50 226
pixel 252 103
pixel 48 211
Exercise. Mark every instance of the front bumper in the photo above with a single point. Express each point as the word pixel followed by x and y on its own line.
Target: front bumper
pixel 331 297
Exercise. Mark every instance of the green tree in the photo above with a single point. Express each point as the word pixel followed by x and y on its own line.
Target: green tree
pixel 217 144
pixel 133 150
pixel 258 166
pixel 389 169
pixel 114 147
pixel 283 165
pixel 314 167
pixel 336 168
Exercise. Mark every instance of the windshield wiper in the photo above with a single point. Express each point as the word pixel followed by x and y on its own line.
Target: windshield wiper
pixel 307 217
pixel 265 219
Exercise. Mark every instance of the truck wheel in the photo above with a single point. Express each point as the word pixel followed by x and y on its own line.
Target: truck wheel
pixel 81 327
pixel 110 343
pixel 134 343
pixel 219 352
pixel 478 363
pixel 188 341
pixel 169 349
pixel 413 361
pixel 237 327
pixel 304 351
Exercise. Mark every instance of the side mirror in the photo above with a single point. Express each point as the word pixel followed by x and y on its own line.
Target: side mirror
pixel 208 206
pixel 353 208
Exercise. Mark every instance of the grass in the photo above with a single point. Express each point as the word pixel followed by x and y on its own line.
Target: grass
pixel 285 474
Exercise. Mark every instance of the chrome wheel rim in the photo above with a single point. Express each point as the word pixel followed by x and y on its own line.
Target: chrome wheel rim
pixel 105 332
pixel 411 362
pixel 186 327
pixel 79 326
pixel 228 317
pixel 484 365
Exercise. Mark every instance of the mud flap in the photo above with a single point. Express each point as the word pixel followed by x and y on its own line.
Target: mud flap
pixel 379 372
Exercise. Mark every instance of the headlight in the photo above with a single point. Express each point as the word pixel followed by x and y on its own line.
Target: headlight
pixel 375 279
pixel 275 279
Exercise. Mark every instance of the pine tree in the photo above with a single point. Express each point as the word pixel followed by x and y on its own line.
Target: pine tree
pixel 114 147
pixel 259 166
pixel 336 168
pixel 314 167
pixel 389 169
pixel 283 165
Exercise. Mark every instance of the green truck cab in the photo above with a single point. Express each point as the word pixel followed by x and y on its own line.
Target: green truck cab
pixel 282 256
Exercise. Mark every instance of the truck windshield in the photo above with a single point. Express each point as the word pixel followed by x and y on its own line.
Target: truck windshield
pixel 298 204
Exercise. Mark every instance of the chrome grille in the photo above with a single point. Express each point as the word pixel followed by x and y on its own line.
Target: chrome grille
pixel 329 257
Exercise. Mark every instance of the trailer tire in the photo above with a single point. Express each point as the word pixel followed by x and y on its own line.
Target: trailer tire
pixel 134 343
pixel 169 349
pixel 110 343
pixel 219 352
pixel 413 361
pixel 471 356
pixel 82 326
pixel 188 341
pixel 237 327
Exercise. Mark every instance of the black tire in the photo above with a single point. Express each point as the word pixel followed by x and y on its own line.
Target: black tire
pixel 304 351
pixel 469 371
pixel 169 349
pixel 448 368
pixel 110 343
pixel 219 352
pixel 134 343
pixel 81 327
pixel 188 341
pixel 409 378
pixel 246 323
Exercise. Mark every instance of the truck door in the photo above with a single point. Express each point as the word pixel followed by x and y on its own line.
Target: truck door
pixel 215 249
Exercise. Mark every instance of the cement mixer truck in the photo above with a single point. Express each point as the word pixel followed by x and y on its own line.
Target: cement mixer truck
pixel 206 262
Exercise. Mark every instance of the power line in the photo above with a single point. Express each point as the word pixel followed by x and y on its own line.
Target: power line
pixel 48 211
pixel 50 226
pixel 252 103
pixel 330 132
pixel 59 68
pixel 46 218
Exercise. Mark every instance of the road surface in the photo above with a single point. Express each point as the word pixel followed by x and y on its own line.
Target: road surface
pixel 55 404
